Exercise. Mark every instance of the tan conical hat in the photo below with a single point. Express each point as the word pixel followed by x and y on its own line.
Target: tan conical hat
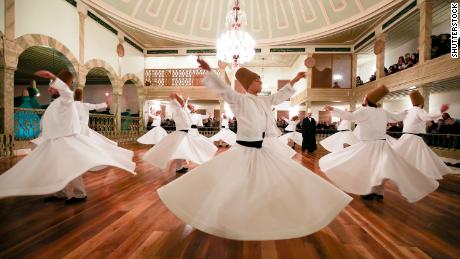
pixel 416 98
pixel 66 77
pixel 375 95
pixel 246 76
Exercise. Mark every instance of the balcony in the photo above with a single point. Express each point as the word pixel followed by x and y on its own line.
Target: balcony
pixel 160 83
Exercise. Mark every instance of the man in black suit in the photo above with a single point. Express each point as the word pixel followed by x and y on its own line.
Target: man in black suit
pixel 309 133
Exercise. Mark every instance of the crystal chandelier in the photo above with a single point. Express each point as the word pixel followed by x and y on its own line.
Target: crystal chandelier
pixel 235 46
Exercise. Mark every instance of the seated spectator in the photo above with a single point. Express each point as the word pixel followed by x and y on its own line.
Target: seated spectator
pixel 359 81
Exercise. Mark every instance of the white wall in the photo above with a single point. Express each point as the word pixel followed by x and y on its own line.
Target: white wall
pixel 397 105
pixel 316 107
pixel 129 99
pixel 2 16
pixel 132 62
pixel 450 97
pixel 54 18
pixel 366 66
pixel 100 43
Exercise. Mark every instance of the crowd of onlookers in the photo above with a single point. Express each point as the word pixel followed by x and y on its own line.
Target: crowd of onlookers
pixel 445 125
pixel 440 45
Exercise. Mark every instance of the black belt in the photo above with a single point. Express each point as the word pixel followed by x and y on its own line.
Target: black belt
pixel 342 130
pixel 194 127
pixel 153 127
pixel 416 134
pixel 223 127
pixel 253 144
pixel 288 131
pixel 186 131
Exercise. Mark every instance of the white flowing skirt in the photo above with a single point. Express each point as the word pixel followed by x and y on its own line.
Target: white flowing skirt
pixel 87 131
pixel 294 136
pixel 366 164
pixel 417 153
pixel 253 194
pixel 226 136
pixel 94 135
pixel 336 141
pixel 278 146
pixel 180 145
pixel 153 136
pixel 56 162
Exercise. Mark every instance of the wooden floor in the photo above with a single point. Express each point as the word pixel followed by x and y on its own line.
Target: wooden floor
pixel 124 218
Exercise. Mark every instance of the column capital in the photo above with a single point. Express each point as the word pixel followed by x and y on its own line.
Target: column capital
pixel 82 9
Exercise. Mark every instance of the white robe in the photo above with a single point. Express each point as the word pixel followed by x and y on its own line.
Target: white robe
pixel 414 149
pixel 154 135
pixel 293 134
pixel 360 167
pixel 83 114
pixel 64 155
pixel 179 144
pixel 250 193
pixel 225 134
pixel 336 141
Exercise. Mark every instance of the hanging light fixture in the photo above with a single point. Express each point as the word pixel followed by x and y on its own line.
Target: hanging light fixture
pixel 235 46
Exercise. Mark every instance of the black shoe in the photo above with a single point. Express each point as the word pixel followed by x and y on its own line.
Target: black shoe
pixel 368 197
pixel 293 147
pixel 183 170
pixel 74 200
pixel 53 199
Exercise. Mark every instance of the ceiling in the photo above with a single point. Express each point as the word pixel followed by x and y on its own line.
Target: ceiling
pixel 186 23
pixel 435 87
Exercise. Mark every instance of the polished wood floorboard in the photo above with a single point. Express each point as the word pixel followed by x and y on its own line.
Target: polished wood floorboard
pixel 124 218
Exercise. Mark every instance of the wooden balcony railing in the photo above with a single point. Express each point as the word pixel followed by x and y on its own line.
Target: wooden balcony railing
pixel 175 77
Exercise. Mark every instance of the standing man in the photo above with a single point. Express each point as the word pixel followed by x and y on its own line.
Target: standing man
pixel 309 133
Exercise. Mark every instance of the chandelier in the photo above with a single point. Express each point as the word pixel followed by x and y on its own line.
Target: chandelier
pixel 235 46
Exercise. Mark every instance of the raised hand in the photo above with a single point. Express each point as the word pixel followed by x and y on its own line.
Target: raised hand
pixel 45 74
pixel 299 76
pixel 328 108
pixel 203 64
pixel 444 108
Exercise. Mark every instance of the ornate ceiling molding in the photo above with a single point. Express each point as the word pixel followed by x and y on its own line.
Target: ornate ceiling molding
pixel 275 22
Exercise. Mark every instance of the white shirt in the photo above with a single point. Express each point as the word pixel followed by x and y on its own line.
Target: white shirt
pixel 180 115
pixel 224 123
pixel 197 119
pixel 372 121
pixel 291 125
pixel 156 120
pixel 344 125
pixel 415 121
pixel 253 113
pixel 84 108
pixel 60 118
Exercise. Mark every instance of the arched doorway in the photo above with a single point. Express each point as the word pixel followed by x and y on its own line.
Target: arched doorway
pixel 31 92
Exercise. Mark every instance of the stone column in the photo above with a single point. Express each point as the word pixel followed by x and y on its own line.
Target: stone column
pixel 425 91
pixel 380 66
pixel 426 22
pixel 7 99
pixel 116 111
pixel 8 65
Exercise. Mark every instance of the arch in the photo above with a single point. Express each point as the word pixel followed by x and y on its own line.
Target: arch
pixel 130 76
pixel 99 63
pixel 30 40
pixel 139 86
